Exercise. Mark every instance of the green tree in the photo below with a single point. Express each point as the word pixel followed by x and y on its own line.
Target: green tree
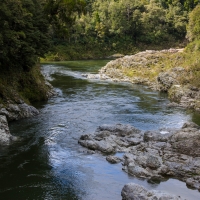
pixel 154 20
pixel 193 29
pixel 61 15
pixel 177 19
pixel 23 33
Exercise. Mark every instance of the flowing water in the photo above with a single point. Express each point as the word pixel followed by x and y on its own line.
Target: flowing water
pixel 47 163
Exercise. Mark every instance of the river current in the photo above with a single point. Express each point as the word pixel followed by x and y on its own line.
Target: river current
pixel 47 163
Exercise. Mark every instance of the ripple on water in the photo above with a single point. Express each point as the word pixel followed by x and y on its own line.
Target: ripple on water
pixel 54 166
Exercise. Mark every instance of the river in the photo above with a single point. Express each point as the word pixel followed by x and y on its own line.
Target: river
pixel 48 164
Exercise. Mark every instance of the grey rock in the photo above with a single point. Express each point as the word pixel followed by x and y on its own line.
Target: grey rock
pixel 111 138
pixel 155 136
pixel 137 171
pixel 106 147
pixel 5 136
pixel 113 159
pixel 153 162
pixel 119 129
pixel 194 182
pixel 18 111
pixel 166 80
pixel 117 55
pixel 153 154
pixel 132 191
pixel 88 144
pixel 187 140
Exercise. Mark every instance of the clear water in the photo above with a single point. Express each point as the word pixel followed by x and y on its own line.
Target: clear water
pixel 47 163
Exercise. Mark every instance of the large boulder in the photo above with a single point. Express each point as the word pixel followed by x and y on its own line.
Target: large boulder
pixel 18 111
pixel 187 140
pixel 132 191
pixel 166 80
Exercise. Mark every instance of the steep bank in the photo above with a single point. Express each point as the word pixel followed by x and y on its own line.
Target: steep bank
pixel 172 71
pixel 18 89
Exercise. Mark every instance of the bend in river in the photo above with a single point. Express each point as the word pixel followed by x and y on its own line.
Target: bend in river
pixel 48 163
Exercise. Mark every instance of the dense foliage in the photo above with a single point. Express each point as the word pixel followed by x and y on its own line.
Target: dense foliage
pixel 109 26
pixel 23 33
pixel 26 27
pixel 136 21
pixel 194 25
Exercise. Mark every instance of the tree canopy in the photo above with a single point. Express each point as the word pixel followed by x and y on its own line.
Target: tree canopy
pixel 194 25
pixel 26 27
pixel 23 33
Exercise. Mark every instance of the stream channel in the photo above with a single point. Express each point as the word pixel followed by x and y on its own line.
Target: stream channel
pixel 48 163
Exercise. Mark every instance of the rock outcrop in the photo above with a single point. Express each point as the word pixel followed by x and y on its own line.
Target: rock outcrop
pixel 137 69
pixel 185 96
pixel 133 191
pixel 152 154
pixel 18 111
pixel 14 108
pixel 5 136
pixel 140 64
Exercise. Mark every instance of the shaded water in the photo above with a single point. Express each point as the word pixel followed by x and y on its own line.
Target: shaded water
pixel 49 164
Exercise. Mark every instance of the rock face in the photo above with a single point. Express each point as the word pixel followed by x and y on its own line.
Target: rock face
pixel 151 154
pixel 185 96
pixel 18 111
pixel 133 191
pixel 5 136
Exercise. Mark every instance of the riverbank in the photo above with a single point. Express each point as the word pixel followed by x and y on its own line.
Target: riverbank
pixel 18 90
pixel 173 71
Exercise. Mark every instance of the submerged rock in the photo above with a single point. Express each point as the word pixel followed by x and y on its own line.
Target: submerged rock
pixel 153 154
pixel 133 191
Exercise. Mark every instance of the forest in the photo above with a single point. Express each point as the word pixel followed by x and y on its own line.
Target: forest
pixel 81 29
pixel 68 29
pixel 106 27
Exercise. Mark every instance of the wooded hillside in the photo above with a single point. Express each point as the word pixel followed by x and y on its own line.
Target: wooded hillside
pixel 126 26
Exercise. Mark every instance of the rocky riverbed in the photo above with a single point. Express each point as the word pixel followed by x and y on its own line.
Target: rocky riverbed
pixel 153 155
